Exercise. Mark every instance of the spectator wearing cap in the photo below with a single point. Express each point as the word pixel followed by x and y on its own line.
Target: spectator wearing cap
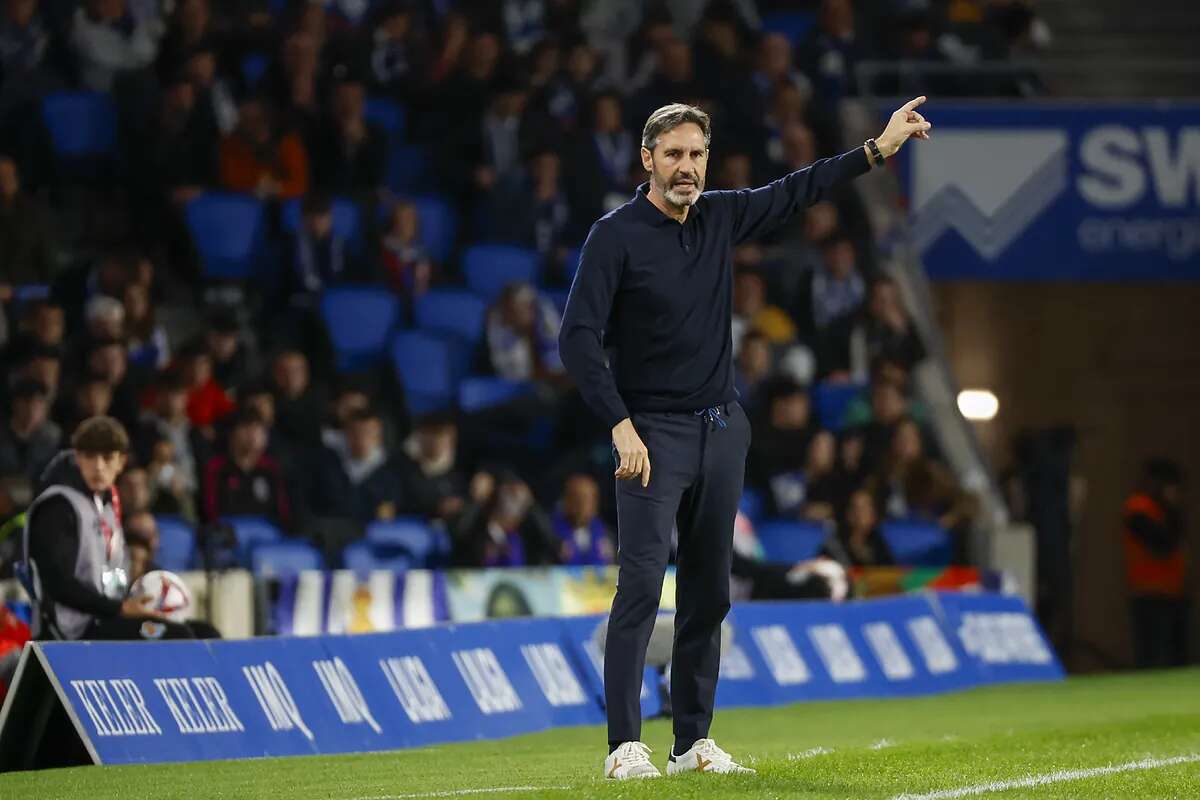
pixel 30 438
pixel 28 243
pixel 434 476
pixel 234 365
pixel 349 153
pixel 257 158
pixel 245 480
pixel 583 537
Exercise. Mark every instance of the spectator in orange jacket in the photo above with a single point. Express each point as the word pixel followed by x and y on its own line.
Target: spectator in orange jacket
pixel 258 159
pixel 1156 566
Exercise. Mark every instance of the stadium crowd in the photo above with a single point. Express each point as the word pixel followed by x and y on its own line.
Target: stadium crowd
pixel 518 122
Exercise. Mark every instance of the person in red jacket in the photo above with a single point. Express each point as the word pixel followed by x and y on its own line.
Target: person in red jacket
pixel 1156 566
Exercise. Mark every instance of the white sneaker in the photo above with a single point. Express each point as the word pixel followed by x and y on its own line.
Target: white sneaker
pixel 705 756
pixel 630 760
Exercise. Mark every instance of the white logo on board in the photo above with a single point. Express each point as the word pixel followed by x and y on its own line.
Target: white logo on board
pixel 927 635
pixel 116 707
pixel 343 691
pixel 783 659
pixel 1003 638
pixel 735 664
pixel 884 643
pixel 493 692
pixel 198 705
pixel 554 675
pixel 837 653
pixel 275 698
pixel 415 689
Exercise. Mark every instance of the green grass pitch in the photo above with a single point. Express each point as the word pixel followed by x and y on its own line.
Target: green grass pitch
pixel 992 742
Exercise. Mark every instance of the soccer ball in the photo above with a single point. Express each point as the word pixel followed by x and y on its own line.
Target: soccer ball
pixel 169 593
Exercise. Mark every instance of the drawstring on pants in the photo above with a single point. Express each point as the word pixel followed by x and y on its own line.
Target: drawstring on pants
pixel 712 415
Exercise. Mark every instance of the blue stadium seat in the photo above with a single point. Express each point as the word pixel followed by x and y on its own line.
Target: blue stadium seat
pixel 408 168
pixel 410 533
pixel 367 557
pixel 176 543
pixel 439 225
pixel 82 125
pixel 491 267
pixel 793 24
pixel 831 401
pixel 251 532
pixel 227 230
pixel 429 365
pixel 453 311
pixel 284 558
pixel 478 393
pixel 753 504
pixel 789 541
pixel 918 543
pixel 347 221
pixel 387 114
pixel 359 320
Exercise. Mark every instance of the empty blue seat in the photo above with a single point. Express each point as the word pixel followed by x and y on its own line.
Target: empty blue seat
pixel 367 557
pixel 429 365
pixel 176 543
pixel 408 168
pixel 491 267
pixel 753 504
pixel 227 230
pixel 476 394
pixel 284 558
pixel 439 225
pixel 359 320
pixel 250 532
pixel 831 401
pixel 453 311
pixel 387 114
pixel 81 124
pixel 793 24
pixel 411 533
pixel 918 543
pixel 347 221
pixel 789 541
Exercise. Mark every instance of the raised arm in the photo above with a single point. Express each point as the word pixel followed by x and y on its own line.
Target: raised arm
pixel 756 211
pixel 580 339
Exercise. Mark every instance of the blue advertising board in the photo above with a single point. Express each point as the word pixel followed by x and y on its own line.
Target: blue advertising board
pixel 149 702
pixel 1051 191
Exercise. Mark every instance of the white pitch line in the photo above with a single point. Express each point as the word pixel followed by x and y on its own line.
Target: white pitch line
pixel 461 792
pixel 1051 777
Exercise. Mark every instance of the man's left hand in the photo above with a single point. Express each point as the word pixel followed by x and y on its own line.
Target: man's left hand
pixel 904 123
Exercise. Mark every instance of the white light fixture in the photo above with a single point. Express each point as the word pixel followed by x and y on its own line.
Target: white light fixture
pixel 979 405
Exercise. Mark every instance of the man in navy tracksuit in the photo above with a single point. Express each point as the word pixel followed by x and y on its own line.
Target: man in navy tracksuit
pixel 646 335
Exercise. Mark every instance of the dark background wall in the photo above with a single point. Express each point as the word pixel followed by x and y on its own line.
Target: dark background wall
pixel 1122 363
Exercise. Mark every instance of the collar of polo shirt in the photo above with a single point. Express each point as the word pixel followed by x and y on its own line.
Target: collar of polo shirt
pixel 652 213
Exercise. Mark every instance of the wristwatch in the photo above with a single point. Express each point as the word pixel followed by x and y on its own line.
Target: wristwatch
pixel 876 156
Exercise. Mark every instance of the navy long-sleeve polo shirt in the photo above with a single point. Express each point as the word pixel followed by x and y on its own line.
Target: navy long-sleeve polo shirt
pixel 647 323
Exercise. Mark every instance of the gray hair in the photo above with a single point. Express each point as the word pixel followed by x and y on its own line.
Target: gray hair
pixel 668 118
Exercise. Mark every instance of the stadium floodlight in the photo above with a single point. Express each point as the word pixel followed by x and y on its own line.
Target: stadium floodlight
pixel 979 405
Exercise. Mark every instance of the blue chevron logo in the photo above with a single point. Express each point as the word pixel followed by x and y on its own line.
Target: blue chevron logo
pixel 988 185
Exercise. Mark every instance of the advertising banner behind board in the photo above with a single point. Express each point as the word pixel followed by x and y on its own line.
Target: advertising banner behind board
pixel 1051 191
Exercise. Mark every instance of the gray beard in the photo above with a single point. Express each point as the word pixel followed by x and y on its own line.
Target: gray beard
pixel 677 199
